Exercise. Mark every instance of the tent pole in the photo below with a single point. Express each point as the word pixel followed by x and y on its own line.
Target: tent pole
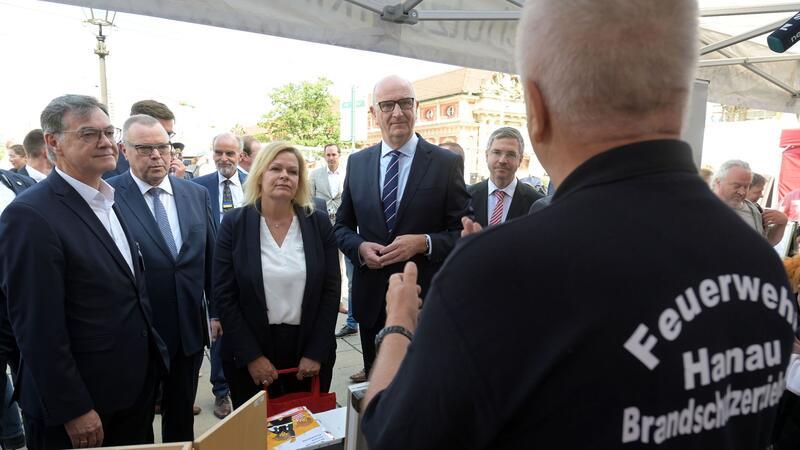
pixel 746 60
pixel 747 10
pixel 756 70
pixel 369 5
pixel 741 37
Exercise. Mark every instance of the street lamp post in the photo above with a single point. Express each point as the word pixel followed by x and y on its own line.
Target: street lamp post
pixel 101 50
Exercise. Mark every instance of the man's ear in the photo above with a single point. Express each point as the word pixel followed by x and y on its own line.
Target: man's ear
pixel 123 149
pixel 52 142
pixel 536 110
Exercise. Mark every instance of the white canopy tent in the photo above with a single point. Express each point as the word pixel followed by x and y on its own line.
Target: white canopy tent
pixel 735 61
pixel 481 34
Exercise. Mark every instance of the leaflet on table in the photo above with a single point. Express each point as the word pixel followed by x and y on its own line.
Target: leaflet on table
pixel 295 429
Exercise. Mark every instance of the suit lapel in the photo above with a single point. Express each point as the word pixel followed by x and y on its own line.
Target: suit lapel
pixel 373 181
pixel 322 181
pixel 479 203
pixel 182 205
pixel 213 192
pixel 72 200
pixel 517 207
pixel 133 197
pixel 419 167
pixel 252 232
pixel 309 247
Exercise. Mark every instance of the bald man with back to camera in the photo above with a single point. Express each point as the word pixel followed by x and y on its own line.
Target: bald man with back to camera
pixel 652 329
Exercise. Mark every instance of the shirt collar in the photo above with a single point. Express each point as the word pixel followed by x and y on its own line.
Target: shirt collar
pixel 35 174
pixel 165 185
pixel 406 149
pixel 335 172
pixel 509 190
pixel 628 161
pixel 103 198
pixel 242 169
pixel 234 179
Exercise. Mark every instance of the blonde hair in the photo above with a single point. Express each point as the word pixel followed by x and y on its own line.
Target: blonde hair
pixel 252 186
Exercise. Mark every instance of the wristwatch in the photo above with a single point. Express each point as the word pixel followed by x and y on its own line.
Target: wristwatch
pixel 389 330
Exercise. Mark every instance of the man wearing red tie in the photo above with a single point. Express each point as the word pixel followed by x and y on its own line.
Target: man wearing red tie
pixel 502 197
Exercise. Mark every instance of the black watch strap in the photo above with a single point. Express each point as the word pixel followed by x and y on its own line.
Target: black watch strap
pixel 389 330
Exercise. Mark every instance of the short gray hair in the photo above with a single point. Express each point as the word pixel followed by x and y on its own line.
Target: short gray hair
pixel 141 119
pixel 228 135
pixel 52 117
pixel 726 167
pixel 596 61
pixel 758 180
pixel 507 133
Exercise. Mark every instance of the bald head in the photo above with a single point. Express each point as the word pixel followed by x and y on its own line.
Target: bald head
pixel 394 108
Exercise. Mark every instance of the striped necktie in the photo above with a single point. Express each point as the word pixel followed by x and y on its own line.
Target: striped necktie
pixel 497 214
pixel 227 196
pixel 390 183
pixel 162 220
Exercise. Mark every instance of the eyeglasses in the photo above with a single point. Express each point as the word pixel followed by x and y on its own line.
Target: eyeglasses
pixel 93 135
pixel 171 134
pixel 148 149
pixel 405 104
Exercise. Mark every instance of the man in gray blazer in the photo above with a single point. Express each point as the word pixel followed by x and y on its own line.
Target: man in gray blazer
pixel 326 184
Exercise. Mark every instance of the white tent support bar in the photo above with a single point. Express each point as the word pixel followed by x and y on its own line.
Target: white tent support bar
pixel 428 14
pixel 747 10
pixel 756 70
pixel 733 40
pixel 519 3
pixel 408 5
pixel 369 5
pixel 751 60
pixel 781 84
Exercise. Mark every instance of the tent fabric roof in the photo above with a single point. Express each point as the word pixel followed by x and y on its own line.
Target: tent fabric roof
pixel 484 42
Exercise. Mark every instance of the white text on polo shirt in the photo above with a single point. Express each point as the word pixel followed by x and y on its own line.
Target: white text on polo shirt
pixel 693 302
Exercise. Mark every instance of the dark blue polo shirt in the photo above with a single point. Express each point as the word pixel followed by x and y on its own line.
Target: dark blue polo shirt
pixel 636 310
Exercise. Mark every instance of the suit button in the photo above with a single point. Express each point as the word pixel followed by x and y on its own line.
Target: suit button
pixel 144 333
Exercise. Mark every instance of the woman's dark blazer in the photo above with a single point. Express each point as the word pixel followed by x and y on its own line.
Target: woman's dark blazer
pixel 239 288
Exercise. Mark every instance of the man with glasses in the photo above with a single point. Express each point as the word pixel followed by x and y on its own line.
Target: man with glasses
pixel 166 118
pixel 225 188
pixel 73 277
pixel 402 200
pixel 171 220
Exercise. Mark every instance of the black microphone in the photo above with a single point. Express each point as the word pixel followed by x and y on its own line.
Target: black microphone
pixel 786 36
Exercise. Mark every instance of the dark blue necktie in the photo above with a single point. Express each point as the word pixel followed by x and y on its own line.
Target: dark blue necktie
pixel 390 182
pixel 162 220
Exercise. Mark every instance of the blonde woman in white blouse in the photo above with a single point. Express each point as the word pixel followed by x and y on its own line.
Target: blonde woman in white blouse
pixel 276 281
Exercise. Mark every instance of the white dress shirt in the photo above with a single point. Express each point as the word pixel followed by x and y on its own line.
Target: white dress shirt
pixel 407 151
pixel 283 269
pixel 169 205
pixel 6 196
pixel 35 174
pixel 101 203
pixel 236 192
pixel 509 190
pixel 335 181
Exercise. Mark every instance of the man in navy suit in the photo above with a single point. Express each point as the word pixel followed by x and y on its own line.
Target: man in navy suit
pixel 90 356
pixel 403 200
pixel 171 220
pixel 509 197
pixel 225 188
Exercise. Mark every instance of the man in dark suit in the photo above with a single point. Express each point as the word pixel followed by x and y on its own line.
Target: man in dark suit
pixel 18 159
pixel 403 200
pixel 74 282
pixel 171 220
pixel 225 188
pixel 502 197
pixel 166 118
pixel 11 434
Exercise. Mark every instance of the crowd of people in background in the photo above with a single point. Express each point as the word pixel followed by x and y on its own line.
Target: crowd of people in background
pixel 627 304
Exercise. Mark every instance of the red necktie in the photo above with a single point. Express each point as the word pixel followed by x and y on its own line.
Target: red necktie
pixel 497 214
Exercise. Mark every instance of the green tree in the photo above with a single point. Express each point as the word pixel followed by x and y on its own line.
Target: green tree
pixel 302 113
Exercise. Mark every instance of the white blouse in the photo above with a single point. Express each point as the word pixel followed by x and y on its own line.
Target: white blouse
pixel 283 269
